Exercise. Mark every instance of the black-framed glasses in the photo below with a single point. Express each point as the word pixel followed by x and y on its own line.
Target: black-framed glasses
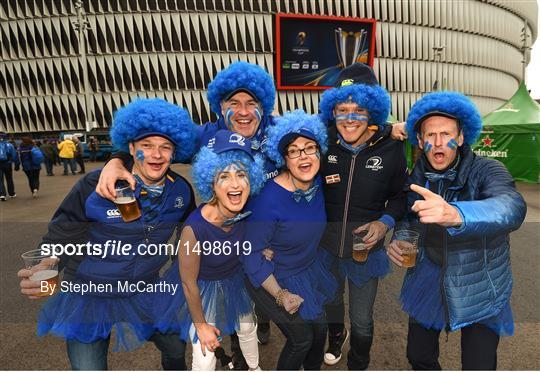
pixel 296 152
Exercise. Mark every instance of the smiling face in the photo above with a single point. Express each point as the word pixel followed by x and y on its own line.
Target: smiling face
pixel 303 168
pixel 231 188
pixel 242 114
pixel 152 157
pixel 436 132
pixel 352 123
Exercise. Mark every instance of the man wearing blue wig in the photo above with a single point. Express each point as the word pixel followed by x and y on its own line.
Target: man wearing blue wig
pixel 363 172
pixel 463 206
pixel 119 292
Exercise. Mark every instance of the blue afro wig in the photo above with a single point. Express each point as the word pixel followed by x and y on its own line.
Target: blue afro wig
pixel 207 164
pixel 242 75
pixel 451 103
pixel 155 116
pixel 294 122
pixel 373 98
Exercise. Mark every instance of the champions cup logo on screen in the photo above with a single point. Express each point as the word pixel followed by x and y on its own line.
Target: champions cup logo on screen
pixel 349 45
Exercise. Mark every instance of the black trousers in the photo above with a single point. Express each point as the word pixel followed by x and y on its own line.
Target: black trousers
pixel 305 339
pixel 6 171
pixel 80 161
pixel 478 347
pixel 33 178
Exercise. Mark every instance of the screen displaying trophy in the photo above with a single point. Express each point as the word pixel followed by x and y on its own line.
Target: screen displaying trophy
pixel 312 50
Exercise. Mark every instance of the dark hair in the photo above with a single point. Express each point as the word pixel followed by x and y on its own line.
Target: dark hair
pixel 27 141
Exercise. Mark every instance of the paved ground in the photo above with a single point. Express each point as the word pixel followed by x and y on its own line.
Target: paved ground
pixel 24 220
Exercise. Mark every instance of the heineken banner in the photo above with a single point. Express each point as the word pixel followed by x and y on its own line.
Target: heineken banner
pixel 511 134
pixel 519 152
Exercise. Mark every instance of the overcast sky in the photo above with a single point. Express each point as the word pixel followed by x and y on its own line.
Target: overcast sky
pixel 533 69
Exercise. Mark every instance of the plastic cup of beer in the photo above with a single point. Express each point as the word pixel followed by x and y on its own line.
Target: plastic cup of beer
pixel 126 203
pixel 407 241
pixel 44 269
pixel 359 251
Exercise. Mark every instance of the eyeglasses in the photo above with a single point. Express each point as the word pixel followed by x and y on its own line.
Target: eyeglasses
pixel 308 150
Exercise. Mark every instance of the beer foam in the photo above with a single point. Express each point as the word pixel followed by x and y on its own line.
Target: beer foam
pixel 124 200
pixel 44 275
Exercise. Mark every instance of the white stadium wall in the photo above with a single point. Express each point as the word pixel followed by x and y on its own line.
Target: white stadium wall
pixel 173 48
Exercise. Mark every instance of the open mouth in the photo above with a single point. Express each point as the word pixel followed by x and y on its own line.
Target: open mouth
pixel 235 197
pixel 305 168
pixel 243 122
pixel 438 156
pixel 350 128
pixel 155 166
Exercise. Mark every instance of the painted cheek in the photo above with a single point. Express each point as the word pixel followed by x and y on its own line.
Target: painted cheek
pixel 228 115
pixel 139 155
pixel 427 147
pixel 452 144
pixel 258 114
pixel 318 154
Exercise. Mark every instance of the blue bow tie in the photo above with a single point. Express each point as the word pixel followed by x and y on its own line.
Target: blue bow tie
pixel 235 219
pixel 308 194
pixel 449 175
pixel 153 191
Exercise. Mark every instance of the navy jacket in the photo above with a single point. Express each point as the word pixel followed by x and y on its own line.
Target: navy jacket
pixel 477 277
pixel 84 217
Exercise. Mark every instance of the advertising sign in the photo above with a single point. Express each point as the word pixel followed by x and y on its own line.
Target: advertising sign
pixel 312 50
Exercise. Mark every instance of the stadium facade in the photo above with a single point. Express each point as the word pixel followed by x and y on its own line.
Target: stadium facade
pixel 173 48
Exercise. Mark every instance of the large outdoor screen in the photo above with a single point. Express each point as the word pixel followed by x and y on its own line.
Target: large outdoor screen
pixel 312 50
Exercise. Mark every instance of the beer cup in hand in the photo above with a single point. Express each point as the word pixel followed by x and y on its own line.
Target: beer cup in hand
pixel 40 275
pixel 127 204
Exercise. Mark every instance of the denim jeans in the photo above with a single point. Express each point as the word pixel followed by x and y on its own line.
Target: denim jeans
pixel 93 356
pixel 361 300
pixel 305 339
pixel 72 165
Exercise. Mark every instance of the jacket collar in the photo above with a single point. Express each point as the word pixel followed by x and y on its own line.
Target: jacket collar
pixel 467 157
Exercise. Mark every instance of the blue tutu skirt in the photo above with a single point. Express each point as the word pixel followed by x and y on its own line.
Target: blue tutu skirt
pixel 224 303
pixel 88 318
pixel 376 266
pixel 316 285
pixel 421 299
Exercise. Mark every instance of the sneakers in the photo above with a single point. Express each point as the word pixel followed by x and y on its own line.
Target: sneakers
pixel 2 198
pixel 263 333
pixel 335 348
pixel 34 193
pixel 13 196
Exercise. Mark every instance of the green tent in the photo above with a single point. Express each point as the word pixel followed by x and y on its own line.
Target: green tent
pixel 511 134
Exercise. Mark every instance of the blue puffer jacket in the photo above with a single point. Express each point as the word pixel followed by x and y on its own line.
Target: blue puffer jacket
pixel 477 280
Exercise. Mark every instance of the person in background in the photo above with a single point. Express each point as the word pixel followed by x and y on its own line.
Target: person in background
pixel 93 148
pixel 67 151
pixel 48 156
pixel 79 154
pixel 464 207
pixel 31 157
pixel 8 157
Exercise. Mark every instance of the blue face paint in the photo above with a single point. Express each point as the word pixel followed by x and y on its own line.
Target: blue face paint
pixel 352 116
pixel 258 115
pixel 452 144
pixel 139 155
pixel 228 115
pixel 427 146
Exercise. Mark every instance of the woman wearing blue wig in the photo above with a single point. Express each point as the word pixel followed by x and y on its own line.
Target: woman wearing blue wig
pixel 214 301
pixel 289 217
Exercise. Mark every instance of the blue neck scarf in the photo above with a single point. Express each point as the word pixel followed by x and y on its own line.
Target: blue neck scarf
pixel 153 191
pixel 309 194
